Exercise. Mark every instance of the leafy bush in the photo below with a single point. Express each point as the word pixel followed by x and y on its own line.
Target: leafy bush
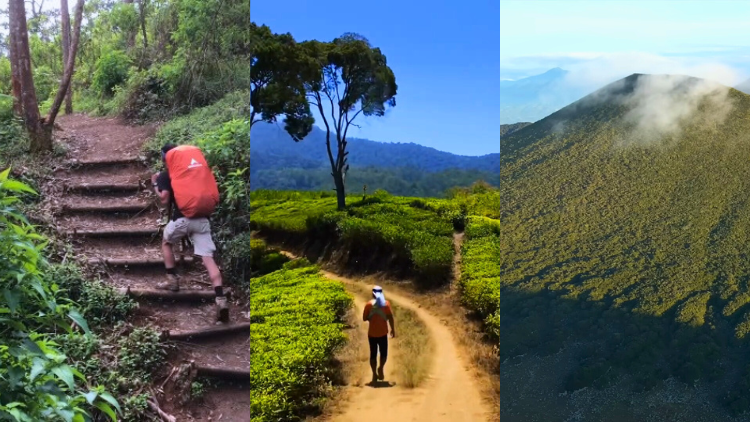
pixel 296 319
pixel 45 82
pixel 480 272
pixel 13 141
pixel 141 353
pixel 111 70
pixel 36 381
pixel 100 302
pixel 374 230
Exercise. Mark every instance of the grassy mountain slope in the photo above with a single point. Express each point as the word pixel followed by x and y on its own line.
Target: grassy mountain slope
pixel 507 130
pixel 626 224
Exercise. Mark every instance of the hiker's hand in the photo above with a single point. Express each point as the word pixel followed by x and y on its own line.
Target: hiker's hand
pixel 393 334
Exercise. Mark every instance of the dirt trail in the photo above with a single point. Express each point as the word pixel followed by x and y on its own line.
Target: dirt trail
pixel 448 395
pixel 105 152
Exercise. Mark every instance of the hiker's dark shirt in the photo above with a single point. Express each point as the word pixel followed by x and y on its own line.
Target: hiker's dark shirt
pixel 164 183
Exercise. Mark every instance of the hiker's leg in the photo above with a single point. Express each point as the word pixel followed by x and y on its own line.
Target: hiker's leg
pixel 203 246
pixel 383 351
pixel 174 231
pixel 166 246
pixel 200 234
pixel 373 354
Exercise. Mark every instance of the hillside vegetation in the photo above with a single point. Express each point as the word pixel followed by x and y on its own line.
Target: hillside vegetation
pixel 403 236
pixel 296 317
pixel 625 229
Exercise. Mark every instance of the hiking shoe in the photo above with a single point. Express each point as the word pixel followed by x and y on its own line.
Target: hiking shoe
pixel 222 309
pixel 172 283
pixel 381 376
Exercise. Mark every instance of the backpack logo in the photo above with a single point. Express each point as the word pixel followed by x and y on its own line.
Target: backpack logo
pixel 194 164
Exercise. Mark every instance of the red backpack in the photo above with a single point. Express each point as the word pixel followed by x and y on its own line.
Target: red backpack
pixel 193 184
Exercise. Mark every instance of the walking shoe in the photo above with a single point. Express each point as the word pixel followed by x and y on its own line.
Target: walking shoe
pixel 222 309
pixel 172 283
pixel 381 376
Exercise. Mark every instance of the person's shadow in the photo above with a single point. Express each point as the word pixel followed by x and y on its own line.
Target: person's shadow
pixel 381 384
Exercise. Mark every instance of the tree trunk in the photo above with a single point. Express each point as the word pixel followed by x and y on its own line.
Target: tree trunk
pixel 37 134
pixel 65 15
pixel 15 78
pixel 68 70
pixel 142 12
pixel 131 34
pixel 338 180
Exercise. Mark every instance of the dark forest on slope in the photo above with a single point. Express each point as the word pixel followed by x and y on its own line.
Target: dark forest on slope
pixel 279 163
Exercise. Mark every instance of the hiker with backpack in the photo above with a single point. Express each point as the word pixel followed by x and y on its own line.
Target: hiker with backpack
pixel 190 186
pixel 378 313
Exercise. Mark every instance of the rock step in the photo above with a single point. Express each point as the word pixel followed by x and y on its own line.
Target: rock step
pixel 206 332
pixel 114 232
pixel 108 208
pixel 137 262
pixel 188 295
pixel 97 162
pixel 103 187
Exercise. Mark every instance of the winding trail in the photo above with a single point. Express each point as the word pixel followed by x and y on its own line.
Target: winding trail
pixel 108 212
pixel 449 394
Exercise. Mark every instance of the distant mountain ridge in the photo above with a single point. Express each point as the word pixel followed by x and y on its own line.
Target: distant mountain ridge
pixel 273 149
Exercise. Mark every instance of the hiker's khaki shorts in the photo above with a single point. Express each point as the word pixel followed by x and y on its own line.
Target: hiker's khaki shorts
pixel 199 231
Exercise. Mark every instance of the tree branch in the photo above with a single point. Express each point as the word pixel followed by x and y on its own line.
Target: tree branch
pixel 68 71
pixel 328 130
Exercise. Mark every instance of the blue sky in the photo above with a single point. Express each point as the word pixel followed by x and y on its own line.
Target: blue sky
pixel 445 56
pixel 703 38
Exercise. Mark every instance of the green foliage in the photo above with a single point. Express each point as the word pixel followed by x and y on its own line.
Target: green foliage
pixel 111 70
pixel 100 302
pixel 141 353
pixel 45 82
pixel 5 76
pixel 296 319
pixel 403 181
pixel 372 231
pixel 227 150
pixel 35 378
pixel 480 270
pixel 13 141
pixel 201 121
pixel 277 87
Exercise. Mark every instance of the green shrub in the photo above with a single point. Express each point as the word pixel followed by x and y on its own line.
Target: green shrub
pixel 112 70
pixel 296 319
pixel 36 381
pixel 141 353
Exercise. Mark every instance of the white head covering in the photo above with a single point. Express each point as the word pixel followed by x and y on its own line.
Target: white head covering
pixel 377 291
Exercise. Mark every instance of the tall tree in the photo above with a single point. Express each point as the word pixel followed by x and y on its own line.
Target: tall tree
pixel 40 130
pixel 276 81
pixel 15 77
pixel 142 5
pixel 351 78
pixel 22 66
pixel 65 17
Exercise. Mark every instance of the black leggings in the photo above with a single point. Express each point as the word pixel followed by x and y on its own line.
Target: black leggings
pixel 378 343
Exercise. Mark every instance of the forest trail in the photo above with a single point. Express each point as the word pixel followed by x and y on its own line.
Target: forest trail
pixel 110 215
pixel 449 394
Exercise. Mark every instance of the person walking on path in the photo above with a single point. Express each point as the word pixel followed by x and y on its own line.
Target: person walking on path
pixel 179 227
pixel 378 313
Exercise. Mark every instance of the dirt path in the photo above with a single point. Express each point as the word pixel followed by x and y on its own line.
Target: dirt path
pixel 448 395
pixel 109 213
